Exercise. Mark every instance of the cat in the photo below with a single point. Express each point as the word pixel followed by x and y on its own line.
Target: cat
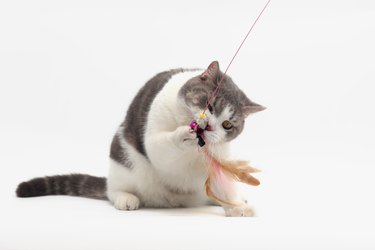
pixel 155 159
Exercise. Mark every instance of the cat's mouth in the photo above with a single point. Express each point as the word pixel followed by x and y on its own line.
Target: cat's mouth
pixel 209 128
pixel 200 131
pixel 209 135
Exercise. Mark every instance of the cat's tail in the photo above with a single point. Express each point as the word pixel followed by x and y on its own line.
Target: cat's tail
pixel 73 184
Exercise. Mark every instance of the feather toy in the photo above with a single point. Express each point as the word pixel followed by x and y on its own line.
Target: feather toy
pixel 224 173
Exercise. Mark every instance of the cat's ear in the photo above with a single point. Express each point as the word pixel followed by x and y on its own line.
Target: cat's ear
pixel 252 107
pixel 211 72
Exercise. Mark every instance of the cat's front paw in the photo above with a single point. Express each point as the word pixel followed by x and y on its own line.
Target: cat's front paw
pixel 126 201
pixel 186 137
pixel 240 211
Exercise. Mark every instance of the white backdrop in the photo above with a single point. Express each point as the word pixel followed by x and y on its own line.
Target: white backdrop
pixel 68 70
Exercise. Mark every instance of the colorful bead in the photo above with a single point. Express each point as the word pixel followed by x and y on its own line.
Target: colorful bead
pixel 193 125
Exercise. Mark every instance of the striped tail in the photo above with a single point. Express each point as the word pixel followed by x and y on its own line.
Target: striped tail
pixel 73 184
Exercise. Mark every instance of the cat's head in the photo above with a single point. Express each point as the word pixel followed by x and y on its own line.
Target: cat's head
pixel 227 110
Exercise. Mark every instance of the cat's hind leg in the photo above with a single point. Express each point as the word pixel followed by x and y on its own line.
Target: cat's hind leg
pixel 121 187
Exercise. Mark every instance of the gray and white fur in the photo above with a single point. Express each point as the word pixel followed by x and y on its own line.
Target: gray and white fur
pixel 154 156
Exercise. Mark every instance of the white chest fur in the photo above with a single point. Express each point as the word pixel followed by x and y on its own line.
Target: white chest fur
pixel 179 168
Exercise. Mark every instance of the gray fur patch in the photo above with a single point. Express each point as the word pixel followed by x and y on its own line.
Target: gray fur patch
pixel 196 92
pixel 118 153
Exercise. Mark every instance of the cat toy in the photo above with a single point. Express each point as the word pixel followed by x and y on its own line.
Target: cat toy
pixel 220 171
pixel 199 126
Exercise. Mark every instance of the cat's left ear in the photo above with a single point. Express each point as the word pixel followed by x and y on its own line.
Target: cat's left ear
pixel 252 107
pixel 212 72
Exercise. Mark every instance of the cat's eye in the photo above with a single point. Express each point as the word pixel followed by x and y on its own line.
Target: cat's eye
pixel 227 125
pixel 210 108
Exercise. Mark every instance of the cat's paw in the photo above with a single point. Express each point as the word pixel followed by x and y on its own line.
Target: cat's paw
pixel 126 201
pixel 186 137
pixel 240 211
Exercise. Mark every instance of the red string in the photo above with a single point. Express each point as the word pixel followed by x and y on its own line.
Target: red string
pixel 231 61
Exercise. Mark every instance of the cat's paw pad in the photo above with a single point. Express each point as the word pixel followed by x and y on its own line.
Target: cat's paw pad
pixel 240 211
pixel 186 136
pixel 126 202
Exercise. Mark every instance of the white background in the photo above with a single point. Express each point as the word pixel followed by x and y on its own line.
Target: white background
pixel 68 70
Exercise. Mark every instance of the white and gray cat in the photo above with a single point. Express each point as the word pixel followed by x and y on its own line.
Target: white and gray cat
pixel 154 156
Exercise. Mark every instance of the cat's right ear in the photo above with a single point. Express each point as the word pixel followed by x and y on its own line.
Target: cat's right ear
pixel 211 72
